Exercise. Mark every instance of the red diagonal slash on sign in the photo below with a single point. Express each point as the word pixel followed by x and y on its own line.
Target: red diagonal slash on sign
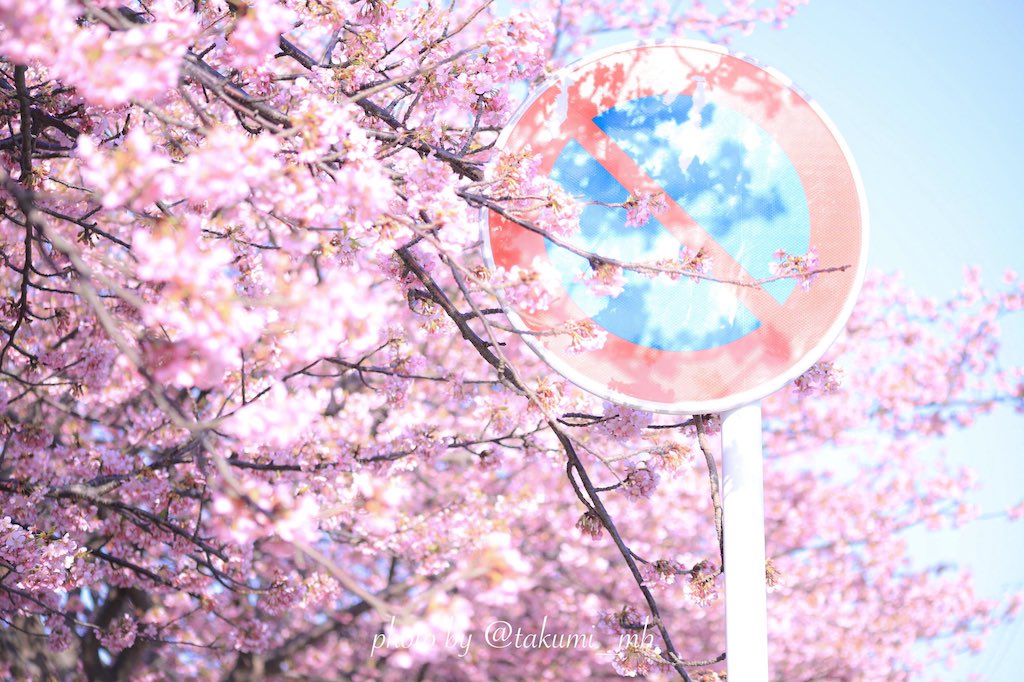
pixel 580 125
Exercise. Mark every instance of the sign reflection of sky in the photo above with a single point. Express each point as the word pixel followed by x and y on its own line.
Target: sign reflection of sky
pixel 721 168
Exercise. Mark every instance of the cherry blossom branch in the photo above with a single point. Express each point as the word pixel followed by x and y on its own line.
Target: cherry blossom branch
pixel 385 609
pixel 26 180
pixel 645 268
pixel 402 136
pixel 275 660
pixel 234 96
pixel 359 95
pixel 593 502
pixel 506 373
pixel 85 289
pixel 463 25
pixel 592 494
pixel 269 117
pixel 716 489
pixel 27 138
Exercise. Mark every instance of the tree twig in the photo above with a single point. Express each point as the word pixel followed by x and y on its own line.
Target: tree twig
pixel 716 488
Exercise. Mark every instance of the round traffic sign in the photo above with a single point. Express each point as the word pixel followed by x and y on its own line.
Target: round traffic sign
pixel 750 172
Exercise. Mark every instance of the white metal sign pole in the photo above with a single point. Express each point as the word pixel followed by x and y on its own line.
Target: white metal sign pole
pixel 746 614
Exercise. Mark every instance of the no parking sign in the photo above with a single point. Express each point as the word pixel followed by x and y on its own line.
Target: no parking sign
pixel 748 167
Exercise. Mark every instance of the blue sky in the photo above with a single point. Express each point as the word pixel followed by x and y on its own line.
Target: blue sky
pixel 930 96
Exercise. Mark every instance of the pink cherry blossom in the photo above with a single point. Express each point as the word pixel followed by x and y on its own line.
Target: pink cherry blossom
pixel 255 33
pixel 604 280
pixel 642 207
pixel 637 660
pixel 800 267
pixel 585 335
pixel 590 524
pixel 531 290
pixel 640 482
pixel 695 263
pixel 822 377
pixel 661 573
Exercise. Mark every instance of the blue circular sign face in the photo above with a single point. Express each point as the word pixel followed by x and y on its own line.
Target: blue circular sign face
pixel 728 174
pixel 747 169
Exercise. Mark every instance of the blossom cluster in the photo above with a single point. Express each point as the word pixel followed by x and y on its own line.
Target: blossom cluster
pixel 604 279
pixel 697 263
pixel 39 562
pixel 803 268
pixel 642 207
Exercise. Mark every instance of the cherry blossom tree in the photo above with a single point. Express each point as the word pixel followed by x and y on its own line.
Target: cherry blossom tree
pixel 263 417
